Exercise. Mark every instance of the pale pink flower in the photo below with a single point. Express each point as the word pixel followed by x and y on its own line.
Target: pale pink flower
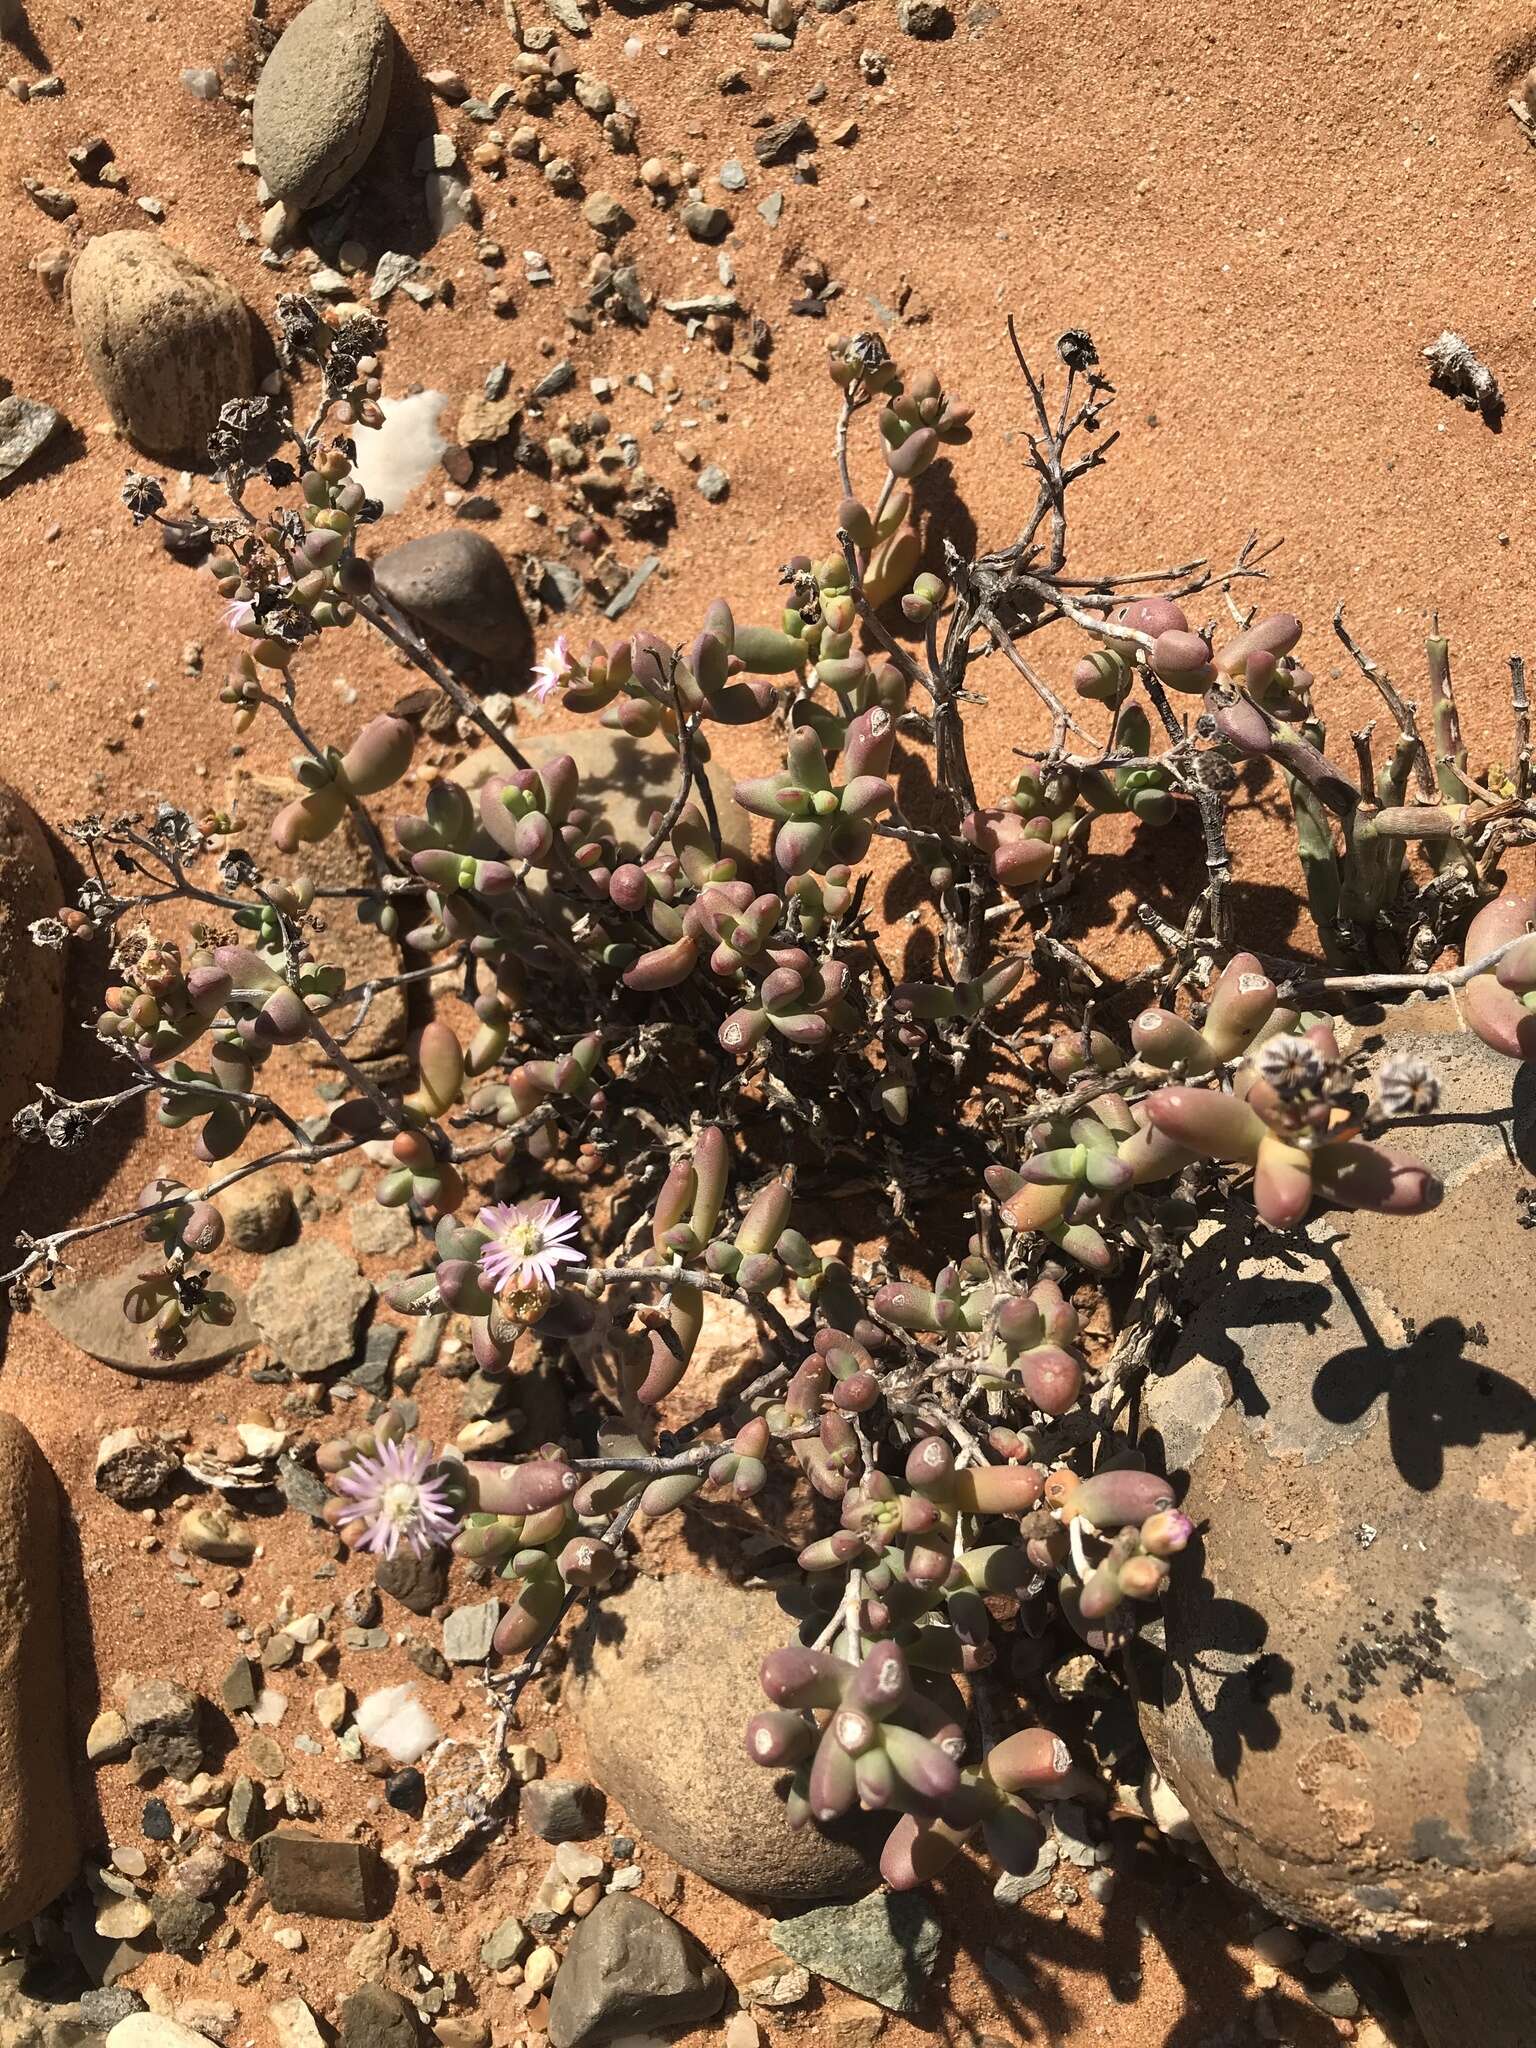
pixel 529 1243
pixel 238 616
pixel 554 671
pixel 391 1494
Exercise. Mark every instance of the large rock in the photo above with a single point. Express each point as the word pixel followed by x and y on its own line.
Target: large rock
pixel 458 584
pixel 166 339
pixel 624 782
pixel 306 1302
pixel 321 100
pixel 339 861
pixel 1347 1705
pixel 39 1841
pixel 664 1680
pixel 629 1968
pixel 31 977
pixel 89 1314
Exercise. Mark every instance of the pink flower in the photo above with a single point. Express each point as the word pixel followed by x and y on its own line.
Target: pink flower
pixel 529 1244
pixel 558 665
pixel 397 1502
pixel 239 615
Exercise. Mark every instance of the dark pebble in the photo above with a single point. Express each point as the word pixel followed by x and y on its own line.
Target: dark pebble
pixel 158 1824
pixel 406 1791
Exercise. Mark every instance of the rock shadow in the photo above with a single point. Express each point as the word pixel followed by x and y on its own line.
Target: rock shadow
pixel 1436 1395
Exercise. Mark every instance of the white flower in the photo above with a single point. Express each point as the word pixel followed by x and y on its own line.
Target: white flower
pixel 554 671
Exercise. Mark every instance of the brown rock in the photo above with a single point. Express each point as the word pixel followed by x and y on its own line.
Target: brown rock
pixel 623 780
pixel 31 977
pixel 334 1880
pixel 39 1843
pixel 166 339
pixel 458 584
pixel 90 1315
pixel 1485 1993
pixel 664 1679
pixel 1347 1702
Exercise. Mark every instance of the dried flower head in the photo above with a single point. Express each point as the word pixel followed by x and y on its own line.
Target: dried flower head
pixel 1292 1066
pixel 529 1242
pixel 392 1492
pixel 1407 1085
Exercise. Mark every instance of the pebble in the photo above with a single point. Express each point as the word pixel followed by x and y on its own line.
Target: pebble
pixel 928 20
pixel 713 483
pixel 26 425
pixel 468 1632
pixel 559 1810
pixel 107 1740
pixel 705 223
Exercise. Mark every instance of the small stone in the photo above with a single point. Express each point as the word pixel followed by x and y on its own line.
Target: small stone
pixel 784 141
pixel 928 20
pixel 331 1706
pixel 306 1301
pixel 787 1988
pixel 418 1583
pixel 1338 1998
pixel 742 2031
pixel 202 82
pixel 295 2025
pixel 107 1740
pixel 468 1632
pixel 459 585
pixel 246 1814
pixel 772 208
pixel 123 1919
pixel 733 176
pixel 216 1534
pixel 183 1924
pixel 465 1787
pixel 240 1686
pixel 257 1212
pixel 559 1809
pixel 103 2006
pixel 26 426
pixel 703 222
pixel 628 1969
pixel 713 483
pixel 375 2017
pixel 304 1874
pixel 154 2030
pixel 603 212
pixel 378 1232
pixel 406 1791
pixel 506 1944
pixel 165 1724
pixel 266 1756
pixel 156 1821
pixel 851 2022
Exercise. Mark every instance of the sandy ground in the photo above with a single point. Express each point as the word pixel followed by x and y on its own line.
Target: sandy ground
pixel 1261 214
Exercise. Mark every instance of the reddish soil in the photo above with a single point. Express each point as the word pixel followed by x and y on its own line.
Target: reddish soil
pixel 1262 215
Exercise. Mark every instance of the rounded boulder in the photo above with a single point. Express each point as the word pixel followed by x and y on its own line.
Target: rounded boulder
pixel 1344 1695
pixel 39 1840
pixel 31 976
pixel 663 1682
pixel 321 100
pixel 167 340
